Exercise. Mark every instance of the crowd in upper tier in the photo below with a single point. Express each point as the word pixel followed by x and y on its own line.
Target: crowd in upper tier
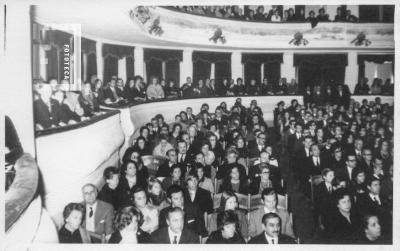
pixel 55 105
pixel 222 175
pixel 275 14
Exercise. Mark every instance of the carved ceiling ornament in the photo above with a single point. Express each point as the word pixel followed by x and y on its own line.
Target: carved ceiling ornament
pixel 361 40
pixel 218 36
pixel 147 20
pixel 298 39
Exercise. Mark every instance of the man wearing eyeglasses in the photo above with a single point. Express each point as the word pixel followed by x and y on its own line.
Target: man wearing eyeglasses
pixel 258 146
pixel 347 171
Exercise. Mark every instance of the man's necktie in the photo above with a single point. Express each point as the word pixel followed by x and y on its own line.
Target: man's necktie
pixel 181 161
pixel 175 240
pixel 91 212
pixel 273 241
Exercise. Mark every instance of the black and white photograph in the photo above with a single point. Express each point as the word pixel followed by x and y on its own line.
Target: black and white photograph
pixel 148 124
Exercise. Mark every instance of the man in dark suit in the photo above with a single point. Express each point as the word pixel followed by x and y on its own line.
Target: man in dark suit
pixel 194 219
pixel 187 88
pixel 197 196
pixel 374 203
pixel 47 110
pixel 324 199
pixel 175 232
pixel 295 141
pixel 165 169
pixel 346 172
pixel 315 164
pixel 301 158
pixel 272 232
pixel 99 214
pixel 257 146
pixel 110 93
pixel 183 159
pixel 109 192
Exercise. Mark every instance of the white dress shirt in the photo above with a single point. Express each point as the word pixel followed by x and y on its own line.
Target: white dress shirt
pixel 172 236
pixel 271 240
pixel 375 198
pixel 90 225
pixel 350 171
pixel 316 161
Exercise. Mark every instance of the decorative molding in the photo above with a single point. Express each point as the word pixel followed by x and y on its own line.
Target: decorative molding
pixel 361 39
pixel 298 39
pixel 218 36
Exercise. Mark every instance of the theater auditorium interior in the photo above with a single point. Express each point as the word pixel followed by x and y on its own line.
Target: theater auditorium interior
pixel 230 124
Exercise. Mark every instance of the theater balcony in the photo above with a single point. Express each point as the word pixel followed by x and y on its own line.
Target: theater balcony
pixel 73 155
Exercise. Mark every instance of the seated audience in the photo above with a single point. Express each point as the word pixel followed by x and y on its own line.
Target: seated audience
pixel 228 230
pixel 154 89
pixel 129 180
pixel 150 213
pixel 204 182
pixel 344 223
pixel 109 192
pixel 174 178
pixel 196 195
pixel 271 231
pixel 229 202
pixel 88 101
pixel 193 219
pixel 127 227
pixel 72 231
pixel 157 196
pixel 99 215
pixel 269 199
pixel 176 231
pixel 371 231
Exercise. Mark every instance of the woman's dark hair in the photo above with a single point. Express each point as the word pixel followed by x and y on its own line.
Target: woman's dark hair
pixel 340 194
pixel 109 172
pixel 227 217
pixel 143 128
pixel 173 167
pixel 124 217
pixel 224 197
pixel 365 219
pixel 74 206
pixel 156 200
pixel 125 166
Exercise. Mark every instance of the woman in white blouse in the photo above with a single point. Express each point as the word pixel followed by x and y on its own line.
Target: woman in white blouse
pixel 204 182
pixel 150 213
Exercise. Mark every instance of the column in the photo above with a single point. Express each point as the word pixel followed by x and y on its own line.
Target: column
pixel 186 66
pixel 212 71
pixel 288 70
pixel 18 50
pixel 99 60
pixel 380 13
pixel 84 62
pixel 351 73
pixel 42 63
pixel 139 61
pixel 122 68
pixel 163 69
pixel 262 72
pixel 237 68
